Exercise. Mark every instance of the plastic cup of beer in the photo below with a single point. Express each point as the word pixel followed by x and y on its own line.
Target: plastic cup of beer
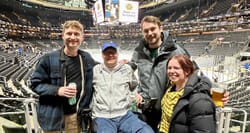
pixel 217 95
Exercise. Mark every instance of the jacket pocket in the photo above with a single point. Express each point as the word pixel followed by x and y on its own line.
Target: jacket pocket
pixel 50 117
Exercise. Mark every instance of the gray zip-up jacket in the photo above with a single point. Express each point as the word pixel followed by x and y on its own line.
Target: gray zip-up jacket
pixel 112 90
pixel 152 71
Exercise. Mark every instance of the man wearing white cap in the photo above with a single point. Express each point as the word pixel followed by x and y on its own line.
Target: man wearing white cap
pixel 113 84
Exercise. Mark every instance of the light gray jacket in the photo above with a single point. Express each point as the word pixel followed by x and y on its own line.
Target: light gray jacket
pixel 112 90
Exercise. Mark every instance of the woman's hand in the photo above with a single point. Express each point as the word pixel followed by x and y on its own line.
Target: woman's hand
pixel 225 98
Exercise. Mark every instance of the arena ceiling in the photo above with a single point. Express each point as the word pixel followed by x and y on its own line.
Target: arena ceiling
pixel 45 12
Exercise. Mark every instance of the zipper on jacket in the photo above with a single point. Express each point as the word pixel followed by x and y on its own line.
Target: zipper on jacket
pixel 110 92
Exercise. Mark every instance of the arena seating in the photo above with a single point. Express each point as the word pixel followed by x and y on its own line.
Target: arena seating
pixel 211 31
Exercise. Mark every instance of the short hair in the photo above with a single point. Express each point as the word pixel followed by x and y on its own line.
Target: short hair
pixel 151 19
pixel 185 62
pixel 72 23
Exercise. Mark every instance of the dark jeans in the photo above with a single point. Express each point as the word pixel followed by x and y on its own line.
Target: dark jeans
pixel 153 118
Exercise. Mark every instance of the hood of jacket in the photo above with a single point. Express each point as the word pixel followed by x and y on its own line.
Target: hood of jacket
pixel 197 83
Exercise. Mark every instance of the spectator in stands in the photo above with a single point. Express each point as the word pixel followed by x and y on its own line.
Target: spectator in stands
pixel 113 84
pixel 207 50
pixel 150 58
pixel 16 60
pixel 20 51
pixel 215 78
pixel 52 75
pixel 186 105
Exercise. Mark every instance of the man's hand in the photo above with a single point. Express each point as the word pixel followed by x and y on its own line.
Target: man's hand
pixel 66 91
pixel 138 99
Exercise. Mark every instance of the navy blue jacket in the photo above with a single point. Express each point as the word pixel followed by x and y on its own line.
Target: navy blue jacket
pixel 45 81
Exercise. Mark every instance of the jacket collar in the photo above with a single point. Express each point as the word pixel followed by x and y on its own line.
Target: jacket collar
pixel 116 68
pixel 197 83
pixel 168 43
pixel 62 55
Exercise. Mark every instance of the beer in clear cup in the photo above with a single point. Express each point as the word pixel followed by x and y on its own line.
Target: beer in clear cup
pixel 217 95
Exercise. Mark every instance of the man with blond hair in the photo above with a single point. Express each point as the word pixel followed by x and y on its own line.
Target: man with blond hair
pixel 52 76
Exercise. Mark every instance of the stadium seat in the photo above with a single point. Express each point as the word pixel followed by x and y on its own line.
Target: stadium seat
pixel 8 129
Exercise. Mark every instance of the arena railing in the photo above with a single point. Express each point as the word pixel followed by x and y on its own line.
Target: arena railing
pixel 225 120
pixel 32 125
pixel 225 116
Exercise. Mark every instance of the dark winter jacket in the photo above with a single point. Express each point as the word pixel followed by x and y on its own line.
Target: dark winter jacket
pixel 195 110
pixel 46 80
pixel 152 71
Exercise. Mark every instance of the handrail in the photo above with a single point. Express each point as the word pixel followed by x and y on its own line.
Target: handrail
pixel 224 115
pixel 225 118
pixel 16 99
pixel 29 110
pixel 12 113
pixel 244 122
pixel 31 104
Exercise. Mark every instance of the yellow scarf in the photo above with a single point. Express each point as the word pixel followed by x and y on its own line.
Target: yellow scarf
pixel 168 103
